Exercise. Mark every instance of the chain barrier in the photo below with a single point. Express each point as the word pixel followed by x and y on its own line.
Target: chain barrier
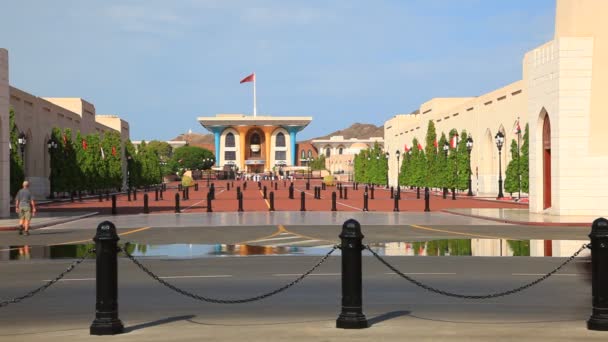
pixel 226 301
pixel 488 296
pixel 49 283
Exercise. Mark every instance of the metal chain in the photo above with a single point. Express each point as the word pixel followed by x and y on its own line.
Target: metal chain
pixel 49 283
pixel 227 301
pixel 488 296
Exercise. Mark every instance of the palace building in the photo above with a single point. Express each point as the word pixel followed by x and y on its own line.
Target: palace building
pixel 254 144
pixel 562 96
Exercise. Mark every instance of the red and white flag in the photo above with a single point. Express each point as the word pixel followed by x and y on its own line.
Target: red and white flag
pixel 405 148
pixel 114 150
pixel 419 147
pixel 454 141
pixel 84 144
pixel 517 129
pixel 250 78
pixel 435 143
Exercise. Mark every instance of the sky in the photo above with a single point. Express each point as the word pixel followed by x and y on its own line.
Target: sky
pixel 161 64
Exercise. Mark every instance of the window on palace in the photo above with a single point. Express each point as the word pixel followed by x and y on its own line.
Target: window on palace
pixel 230 140
pixel 280 140
pixel 255 140
pixel 327 152
pixel 310 154
pixel 280 155
pixel 303 155
pixel 229 155
pixel 340 150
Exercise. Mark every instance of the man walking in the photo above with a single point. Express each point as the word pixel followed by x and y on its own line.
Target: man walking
pixel 25 208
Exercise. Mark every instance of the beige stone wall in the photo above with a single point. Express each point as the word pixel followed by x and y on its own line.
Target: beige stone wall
pixel 482 117
pixel 36 117
pixel 4 135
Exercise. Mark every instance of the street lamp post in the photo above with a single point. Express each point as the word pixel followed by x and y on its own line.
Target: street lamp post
pixel 446 148
pixel 51 146
pixel 398 154
pixel 22 141
pixel 387 154
pixel 128 172
pixel 469 149
pixel 455 167
pixel 208 163
pixel 500 139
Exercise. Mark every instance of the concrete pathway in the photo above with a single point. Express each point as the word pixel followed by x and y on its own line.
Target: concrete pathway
pixel 522 216
pixel 44 219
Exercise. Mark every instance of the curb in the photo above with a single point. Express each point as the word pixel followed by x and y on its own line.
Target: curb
pixel 48 224
pixel 541 224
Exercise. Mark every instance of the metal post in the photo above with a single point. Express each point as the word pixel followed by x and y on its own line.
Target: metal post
pixel 372 192
pixel 271 206
pixel 177 203
pixel 244 185
pixel 161 194
pixel 129 195
pixel 238 191
pixel 106 307
pixel 79 196
pixel 500 194
pixel 333 201
pixel 599 275
pixel 341 192
pixel 113 204
pixel 156 195
pixel 134 194
pixel 107 195
pixel 100 197
pixel 470 193
pixel 352 316
pixel 427 200
pixel 396 207
pixel 445 193
pixel 418 192
pixel 302 201
pixel 345 193
pixel 259 185
pixel 209 198
pixel 146 208
pixel 195 186
pixel 228 186
pixel 291 191
pixel 392 193
pixel 453 194
pixel 365 208
pixel 184 194
pixel 212 189
pixel 307 185
pixel 265 192
pixel 276 186
pixel 240 197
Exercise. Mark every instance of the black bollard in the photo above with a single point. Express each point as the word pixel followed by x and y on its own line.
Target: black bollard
pixel 271 200
pixel 323 186
pixel 333 201
pixel 453 194
pixel 179 187
pixel 284 184
pixel 240 198
pixel 129 195
pixel 365 204
pixel 146 208
pixel 135 194
pixel 445 193
pixel 264 192
pixel 106 274
pixel 209 198
pixel 177 203
pixel 114 205
pixel 238 191
pixel 161 194
pixel 156 195
pixel 372 192
pixel 341 192
pixel 396 207
pixel 307 185
pixel 345 193
pixel 291 191
pixel 352 316
pixel 107 195
pixel 195 186
pixel 418 193
pixel 79 196
pixel 599 275
pixel 212 189
pixel 184 197
pixel 427 200
pixel 100 197
pixel 259 185
pixel 366 189
pixel 392 192
pixel 244 186
pixel 227 186
pixel 302 201
pixel 276 186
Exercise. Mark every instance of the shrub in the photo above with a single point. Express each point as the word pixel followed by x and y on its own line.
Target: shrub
pixel 329 180
pixel 187 181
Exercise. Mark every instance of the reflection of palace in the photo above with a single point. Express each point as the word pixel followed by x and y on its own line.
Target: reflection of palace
pixel 254 143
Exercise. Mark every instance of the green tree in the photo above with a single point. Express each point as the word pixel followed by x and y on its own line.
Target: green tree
pixel 111 145
pixel 464 162
pixel 452 161
pixel 71 170
pixel 430 150
pixel 133 168
pixel 162 148
pixel 418 165
pixel 512 175
pixel 442 164
pixel 17 174
pixel 318 163
pixel 191 157
pixel 525 162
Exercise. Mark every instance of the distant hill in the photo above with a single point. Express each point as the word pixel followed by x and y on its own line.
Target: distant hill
pixel 357 130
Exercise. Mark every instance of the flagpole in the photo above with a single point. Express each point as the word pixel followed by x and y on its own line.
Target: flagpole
pixel 254 99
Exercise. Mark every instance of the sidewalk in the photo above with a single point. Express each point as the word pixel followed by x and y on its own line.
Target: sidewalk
pixel 44 219
pixel 522 216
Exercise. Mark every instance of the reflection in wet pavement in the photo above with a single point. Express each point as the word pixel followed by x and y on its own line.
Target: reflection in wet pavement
pixel 448 247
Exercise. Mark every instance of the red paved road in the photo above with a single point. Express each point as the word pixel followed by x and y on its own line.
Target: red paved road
pixel 253 200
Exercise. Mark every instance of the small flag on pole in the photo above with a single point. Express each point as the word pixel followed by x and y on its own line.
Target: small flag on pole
pixel 419 147
pixel 251 78
pixel 435 143
pixel 517 128
pixel 405 148
pixel 114 150
pixel 84 144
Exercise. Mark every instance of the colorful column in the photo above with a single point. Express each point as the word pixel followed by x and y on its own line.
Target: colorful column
pixel 217 133
pixel 292 139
